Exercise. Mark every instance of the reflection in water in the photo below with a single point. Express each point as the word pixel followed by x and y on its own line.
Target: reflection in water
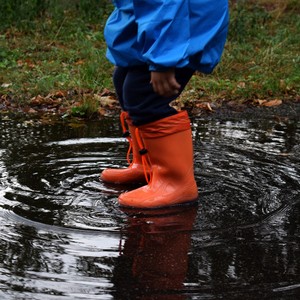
pixel 254 261
pixel 63 235
pixel 154 258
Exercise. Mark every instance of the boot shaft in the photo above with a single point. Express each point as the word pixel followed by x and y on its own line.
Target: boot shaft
pixel 169 145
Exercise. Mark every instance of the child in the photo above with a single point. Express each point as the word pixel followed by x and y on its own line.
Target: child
pixel 157 45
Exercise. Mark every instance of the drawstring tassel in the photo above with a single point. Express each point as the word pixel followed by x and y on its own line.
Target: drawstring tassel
pixel 145 159
pixel 126 134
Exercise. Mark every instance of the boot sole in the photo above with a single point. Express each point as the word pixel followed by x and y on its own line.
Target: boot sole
pixel 156 208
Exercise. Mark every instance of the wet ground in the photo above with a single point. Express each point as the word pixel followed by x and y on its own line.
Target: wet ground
pixel 63 235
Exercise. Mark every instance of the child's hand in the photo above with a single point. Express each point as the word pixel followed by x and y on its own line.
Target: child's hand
pixel 165 83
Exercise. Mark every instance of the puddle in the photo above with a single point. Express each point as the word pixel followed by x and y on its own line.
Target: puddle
pixel 63 235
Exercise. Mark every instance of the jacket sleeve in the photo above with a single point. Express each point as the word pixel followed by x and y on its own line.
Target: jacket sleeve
pixel 163 32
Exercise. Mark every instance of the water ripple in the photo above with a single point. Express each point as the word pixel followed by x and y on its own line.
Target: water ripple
pixel 64 235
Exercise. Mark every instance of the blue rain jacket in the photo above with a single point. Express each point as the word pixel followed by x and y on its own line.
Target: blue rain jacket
pixel 167 33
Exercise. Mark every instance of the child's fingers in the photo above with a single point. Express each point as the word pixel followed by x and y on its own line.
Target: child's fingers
pixel 174 85
pixel 165 83
pixel 162 88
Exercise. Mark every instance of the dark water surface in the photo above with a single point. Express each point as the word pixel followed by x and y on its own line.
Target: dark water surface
pixel 63 235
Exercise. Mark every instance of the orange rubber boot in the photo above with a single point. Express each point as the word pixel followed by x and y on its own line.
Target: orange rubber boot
pixel 169 149
pixel 134 173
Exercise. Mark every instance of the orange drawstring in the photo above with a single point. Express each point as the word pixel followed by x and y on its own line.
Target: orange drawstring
pixel 143 151
pixel 126 134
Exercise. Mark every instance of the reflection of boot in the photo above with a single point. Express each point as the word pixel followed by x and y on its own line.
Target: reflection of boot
pixel 169 149
pixel 134 172
pixel 154 259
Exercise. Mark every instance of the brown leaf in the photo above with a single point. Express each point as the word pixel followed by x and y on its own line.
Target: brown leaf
pixel 106 100
pixel 101 111
pixel 32 111
pixel 38 100
pixel 106 92
pixel 204 106
pixel 20 63
pixel 62 110
pixel 61 94
pixel 79 62
pixel 272 103
pixel 27 62
pixel 241 85
pixel 259 101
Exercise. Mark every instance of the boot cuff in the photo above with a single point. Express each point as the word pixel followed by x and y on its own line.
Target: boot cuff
pixel 166 126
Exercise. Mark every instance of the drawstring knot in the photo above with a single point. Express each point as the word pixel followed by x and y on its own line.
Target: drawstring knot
pixel 143 151
pixel 126 134
pixel 145 159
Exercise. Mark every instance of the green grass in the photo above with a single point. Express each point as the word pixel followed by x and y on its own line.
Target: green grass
pixel 39 62
pixel 61 48
pixel 261 58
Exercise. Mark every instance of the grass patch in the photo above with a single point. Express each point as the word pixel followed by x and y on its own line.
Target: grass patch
pixel 261 58
pixel 51 46
pixel 44 60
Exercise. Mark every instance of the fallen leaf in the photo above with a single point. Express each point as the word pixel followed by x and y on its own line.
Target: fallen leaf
pixel 241 85
pixel 106 100
pixel 20 63
pixel 37 100
pixel 28 62
pixel 106 92
pixel 259 101
pixel 204 106
pixel 79 62
pixel 32 111
pixel 101 111
pixel 61 94
pixel 6 85
pixel 272 103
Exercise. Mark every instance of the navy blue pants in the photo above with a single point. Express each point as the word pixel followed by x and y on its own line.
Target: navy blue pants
pixel 137 97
